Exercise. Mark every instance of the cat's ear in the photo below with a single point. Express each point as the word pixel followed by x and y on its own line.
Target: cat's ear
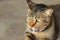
pixel 30 4
pixel 49 12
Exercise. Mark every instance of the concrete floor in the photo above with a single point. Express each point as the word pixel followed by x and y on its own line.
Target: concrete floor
pixel 13 15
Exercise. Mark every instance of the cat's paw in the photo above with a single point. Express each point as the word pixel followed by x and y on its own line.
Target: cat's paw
pixel 27 38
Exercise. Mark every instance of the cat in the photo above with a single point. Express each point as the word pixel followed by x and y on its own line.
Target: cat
pixel 40 22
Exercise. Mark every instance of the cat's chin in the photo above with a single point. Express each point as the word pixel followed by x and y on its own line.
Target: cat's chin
pixel 40 29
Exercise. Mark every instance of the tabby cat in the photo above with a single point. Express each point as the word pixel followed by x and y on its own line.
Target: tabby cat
pixel 40 22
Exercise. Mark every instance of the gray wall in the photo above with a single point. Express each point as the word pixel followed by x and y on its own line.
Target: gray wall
pixel 13 15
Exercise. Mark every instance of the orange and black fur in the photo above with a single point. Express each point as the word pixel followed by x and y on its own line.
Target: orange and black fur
pixel 40 22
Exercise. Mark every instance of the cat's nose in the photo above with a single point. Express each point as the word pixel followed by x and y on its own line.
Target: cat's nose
pixel 31 23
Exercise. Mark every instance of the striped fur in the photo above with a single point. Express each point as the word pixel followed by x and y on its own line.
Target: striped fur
pixel 30 36
pixel 39 18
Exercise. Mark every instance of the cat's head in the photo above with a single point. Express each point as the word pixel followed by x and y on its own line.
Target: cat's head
pixel 38 13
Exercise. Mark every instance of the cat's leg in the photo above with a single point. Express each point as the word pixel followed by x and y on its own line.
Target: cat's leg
pixel 27 38
pixel 30 36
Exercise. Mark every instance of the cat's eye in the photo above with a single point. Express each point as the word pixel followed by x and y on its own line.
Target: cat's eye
pixel 39 20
